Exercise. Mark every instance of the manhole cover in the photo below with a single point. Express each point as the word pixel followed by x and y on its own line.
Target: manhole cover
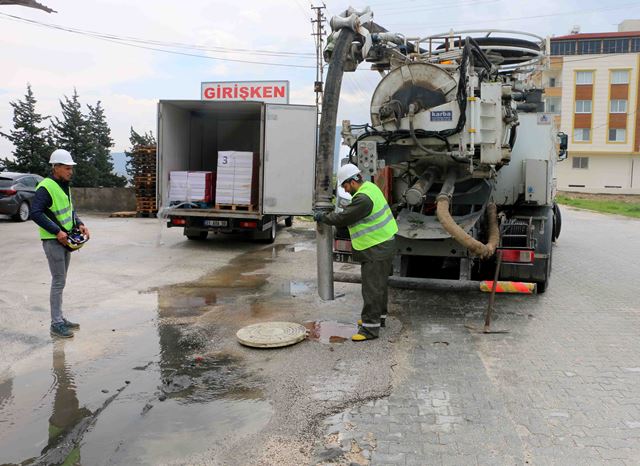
pixel 271 334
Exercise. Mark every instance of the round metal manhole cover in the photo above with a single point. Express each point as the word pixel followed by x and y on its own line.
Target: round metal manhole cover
pixel 271 334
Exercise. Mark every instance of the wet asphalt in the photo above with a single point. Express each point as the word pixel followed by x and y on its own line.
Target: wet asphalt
pixel 155 374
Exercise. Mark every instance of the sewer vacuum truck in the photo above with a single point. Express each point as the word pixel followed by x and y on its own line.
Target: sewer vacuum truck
pixel 460 145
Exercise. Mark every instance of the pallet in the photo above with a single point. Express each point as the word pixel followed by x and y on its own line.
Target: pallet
pixel 126 214
pixel 146 213
pixel 235 207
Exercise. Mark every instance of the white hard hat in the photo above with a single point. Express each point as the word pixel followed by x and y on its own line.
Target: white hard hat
pixel 347 171
pixel 61 156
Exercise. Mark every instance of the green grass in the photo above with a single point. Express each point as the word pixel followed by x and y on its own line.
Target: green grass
pixel 628 209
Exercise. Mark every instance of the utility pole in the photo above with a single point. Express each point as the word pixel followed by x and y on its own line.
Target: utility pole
pixel 319 33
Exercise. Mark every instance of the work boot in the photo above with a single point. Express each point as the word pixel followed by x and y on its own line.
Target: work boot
pixel 382 324
pixel 363 334
pixel 69 324
pixel 60 330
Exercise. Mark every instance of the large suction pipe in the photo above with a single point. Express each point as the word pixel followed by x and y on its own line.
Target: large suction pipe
pixel 465 239
pixel 324 164
pixel 416 193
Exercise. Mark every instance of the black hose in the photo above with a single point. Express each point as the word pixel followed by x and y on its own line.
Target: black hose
pixel 327 132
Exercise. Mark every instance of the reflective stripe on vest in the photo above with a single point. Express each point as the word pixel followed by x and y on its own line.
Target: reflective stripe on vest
pixel 61 207
pixel 377 227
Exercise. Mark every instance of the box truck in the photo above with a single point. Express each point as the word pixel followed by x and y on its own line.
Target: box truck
pixel 237 166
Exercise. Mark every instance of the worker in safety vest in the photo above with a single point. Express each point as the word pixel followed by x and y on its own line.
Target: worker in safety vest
pixel 372 229
pixel 53 212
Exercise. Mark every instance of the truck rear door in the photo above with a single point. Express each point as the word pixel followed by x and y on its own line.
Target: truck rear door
pixel 289 159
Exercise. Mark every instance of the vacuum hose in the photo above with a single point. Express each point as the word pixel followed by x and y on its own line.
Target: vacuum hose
pixel 324 162
pixel 443 201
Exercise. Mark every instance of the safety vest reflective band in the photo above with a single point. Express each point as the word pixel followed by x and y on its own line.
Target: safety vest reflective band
pixel 379 226
pixel 61 207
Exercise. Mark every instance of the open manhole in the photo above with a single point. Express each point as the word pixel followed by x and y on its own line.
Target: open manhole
pixel 271 334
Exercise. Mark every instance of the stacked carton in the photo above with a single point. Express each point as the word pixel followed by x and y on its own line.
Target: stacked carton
pixel 187 186
pixel 234 183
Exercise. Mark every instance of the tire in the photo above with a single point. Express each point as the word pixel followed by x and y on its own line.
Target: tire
pixel 288 221
pixel 24 212
pixel 557 222
pixel 542 286
pixel 269 236
pixel 201 236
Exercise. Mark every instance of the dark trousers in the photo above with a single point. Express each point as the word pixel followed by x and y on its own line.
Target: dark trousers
pixel 375 280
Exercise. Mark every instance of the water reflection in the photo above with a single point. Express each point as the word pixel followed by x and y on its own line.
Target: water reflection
pixel 68 420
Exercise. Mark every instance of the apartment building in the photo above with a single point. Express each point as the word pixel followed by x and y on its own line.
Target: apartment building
pixel 592 86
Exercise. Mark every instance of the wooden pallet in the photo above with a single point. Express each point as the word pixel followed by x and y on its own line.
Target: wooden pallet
pixel 236 207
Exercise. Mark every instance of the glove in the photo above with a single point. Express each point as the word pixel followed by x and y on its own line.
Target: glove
pixel 318 215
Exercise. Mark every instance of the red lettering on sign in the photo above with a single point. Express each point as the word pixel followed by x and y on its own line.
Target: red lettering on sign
pixel 267 93
pixel 226 92
pixel 244 93
pixel 279 91
pixel 255 92
pixel 209 93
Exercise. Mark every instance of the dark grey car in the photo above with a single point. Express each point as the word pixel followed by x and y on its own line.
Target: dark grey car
pixel 16 194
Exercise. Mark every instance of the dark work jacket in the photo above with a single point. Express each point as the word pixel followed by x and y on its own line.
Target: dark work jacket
pixel 42 201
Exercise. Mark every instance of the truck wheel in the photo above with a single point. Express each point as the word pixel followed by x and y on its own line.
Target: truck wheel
pixel 200 236
pixel 542 286
pixel 24 211
pixel 557 222
pixel 268 236
pixel 288 221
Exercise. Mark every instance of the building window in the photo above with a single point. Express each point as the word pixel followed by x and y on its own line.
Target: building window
pixel 615 45
pixel 563 47
pixel 582 134
pixel 581 162
pixel 552 82
pixel 617 135
pixel 584 77
pixel 618 106
pixel 553 104
pixel 620 77
pixel 583 106
pixel 635 45
pixel 586 47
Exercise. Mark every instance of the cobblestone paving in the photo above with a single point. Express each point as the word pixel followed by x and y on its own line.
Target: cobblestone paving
pixel 562 387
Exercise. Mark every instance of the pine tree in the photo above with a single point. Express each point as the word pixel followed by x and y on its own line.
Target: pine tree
pixel 137 140
pixel 73 134
pixel 32 149
pixel 100 156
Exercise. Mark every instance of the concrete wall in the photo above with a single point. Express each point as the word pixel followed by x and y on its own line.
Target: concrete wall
pixel 104 199
pixel 605 174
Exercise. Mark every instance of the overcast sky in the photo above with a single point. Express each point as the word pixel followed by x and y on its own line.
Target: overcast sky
pixel 129 80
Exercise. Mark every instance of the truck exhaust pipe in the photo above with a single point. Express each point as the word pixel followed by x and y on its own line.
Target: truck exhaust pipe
pixel 324 164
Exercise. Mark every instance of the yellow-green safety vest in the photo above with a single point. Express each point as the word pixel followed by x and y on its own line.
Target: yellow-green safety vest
pixel 379 226
pixel 62 207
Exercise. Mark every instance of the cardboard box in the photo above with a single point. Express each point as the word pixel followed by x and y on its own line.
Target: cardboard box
pixel 194 186
pixel 236 178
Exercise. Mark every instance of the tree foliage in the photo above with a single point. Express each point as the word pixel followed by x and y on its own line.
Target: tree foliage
pixel 29 137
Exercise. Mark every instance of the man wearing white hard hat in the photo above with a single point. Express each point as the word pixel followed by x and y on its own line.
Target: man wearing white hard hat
pixel 372 229
pixel 53 212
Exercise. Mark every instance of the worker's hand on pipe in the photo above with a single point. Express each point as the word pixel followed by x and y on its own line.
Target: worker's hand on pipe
pixel 318 215
pixel 85 231
pixel 62 238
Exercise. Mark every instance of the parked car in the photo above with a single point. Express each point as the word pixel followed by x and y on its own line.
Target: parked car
pixel 16 194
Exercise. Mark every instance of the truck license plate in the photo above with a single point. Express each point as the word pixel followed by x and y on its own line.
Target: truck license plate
pixel 215 223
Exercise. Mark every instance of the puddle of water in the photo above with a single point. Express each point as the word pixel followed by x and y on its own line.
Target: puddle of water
pixel 140 395
pixel 299 247
pixel 328 331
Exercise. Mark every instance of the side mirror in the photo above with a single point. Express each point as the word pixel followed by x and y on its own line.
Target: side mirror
pixel 564 144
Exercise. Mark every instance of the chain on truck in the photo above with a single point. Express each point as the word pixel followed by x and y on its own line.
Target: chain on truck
pixel 460 145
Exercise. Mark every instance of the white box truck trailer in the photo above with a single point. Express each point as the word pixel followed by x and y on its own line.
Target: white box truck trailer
pixel 193 134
